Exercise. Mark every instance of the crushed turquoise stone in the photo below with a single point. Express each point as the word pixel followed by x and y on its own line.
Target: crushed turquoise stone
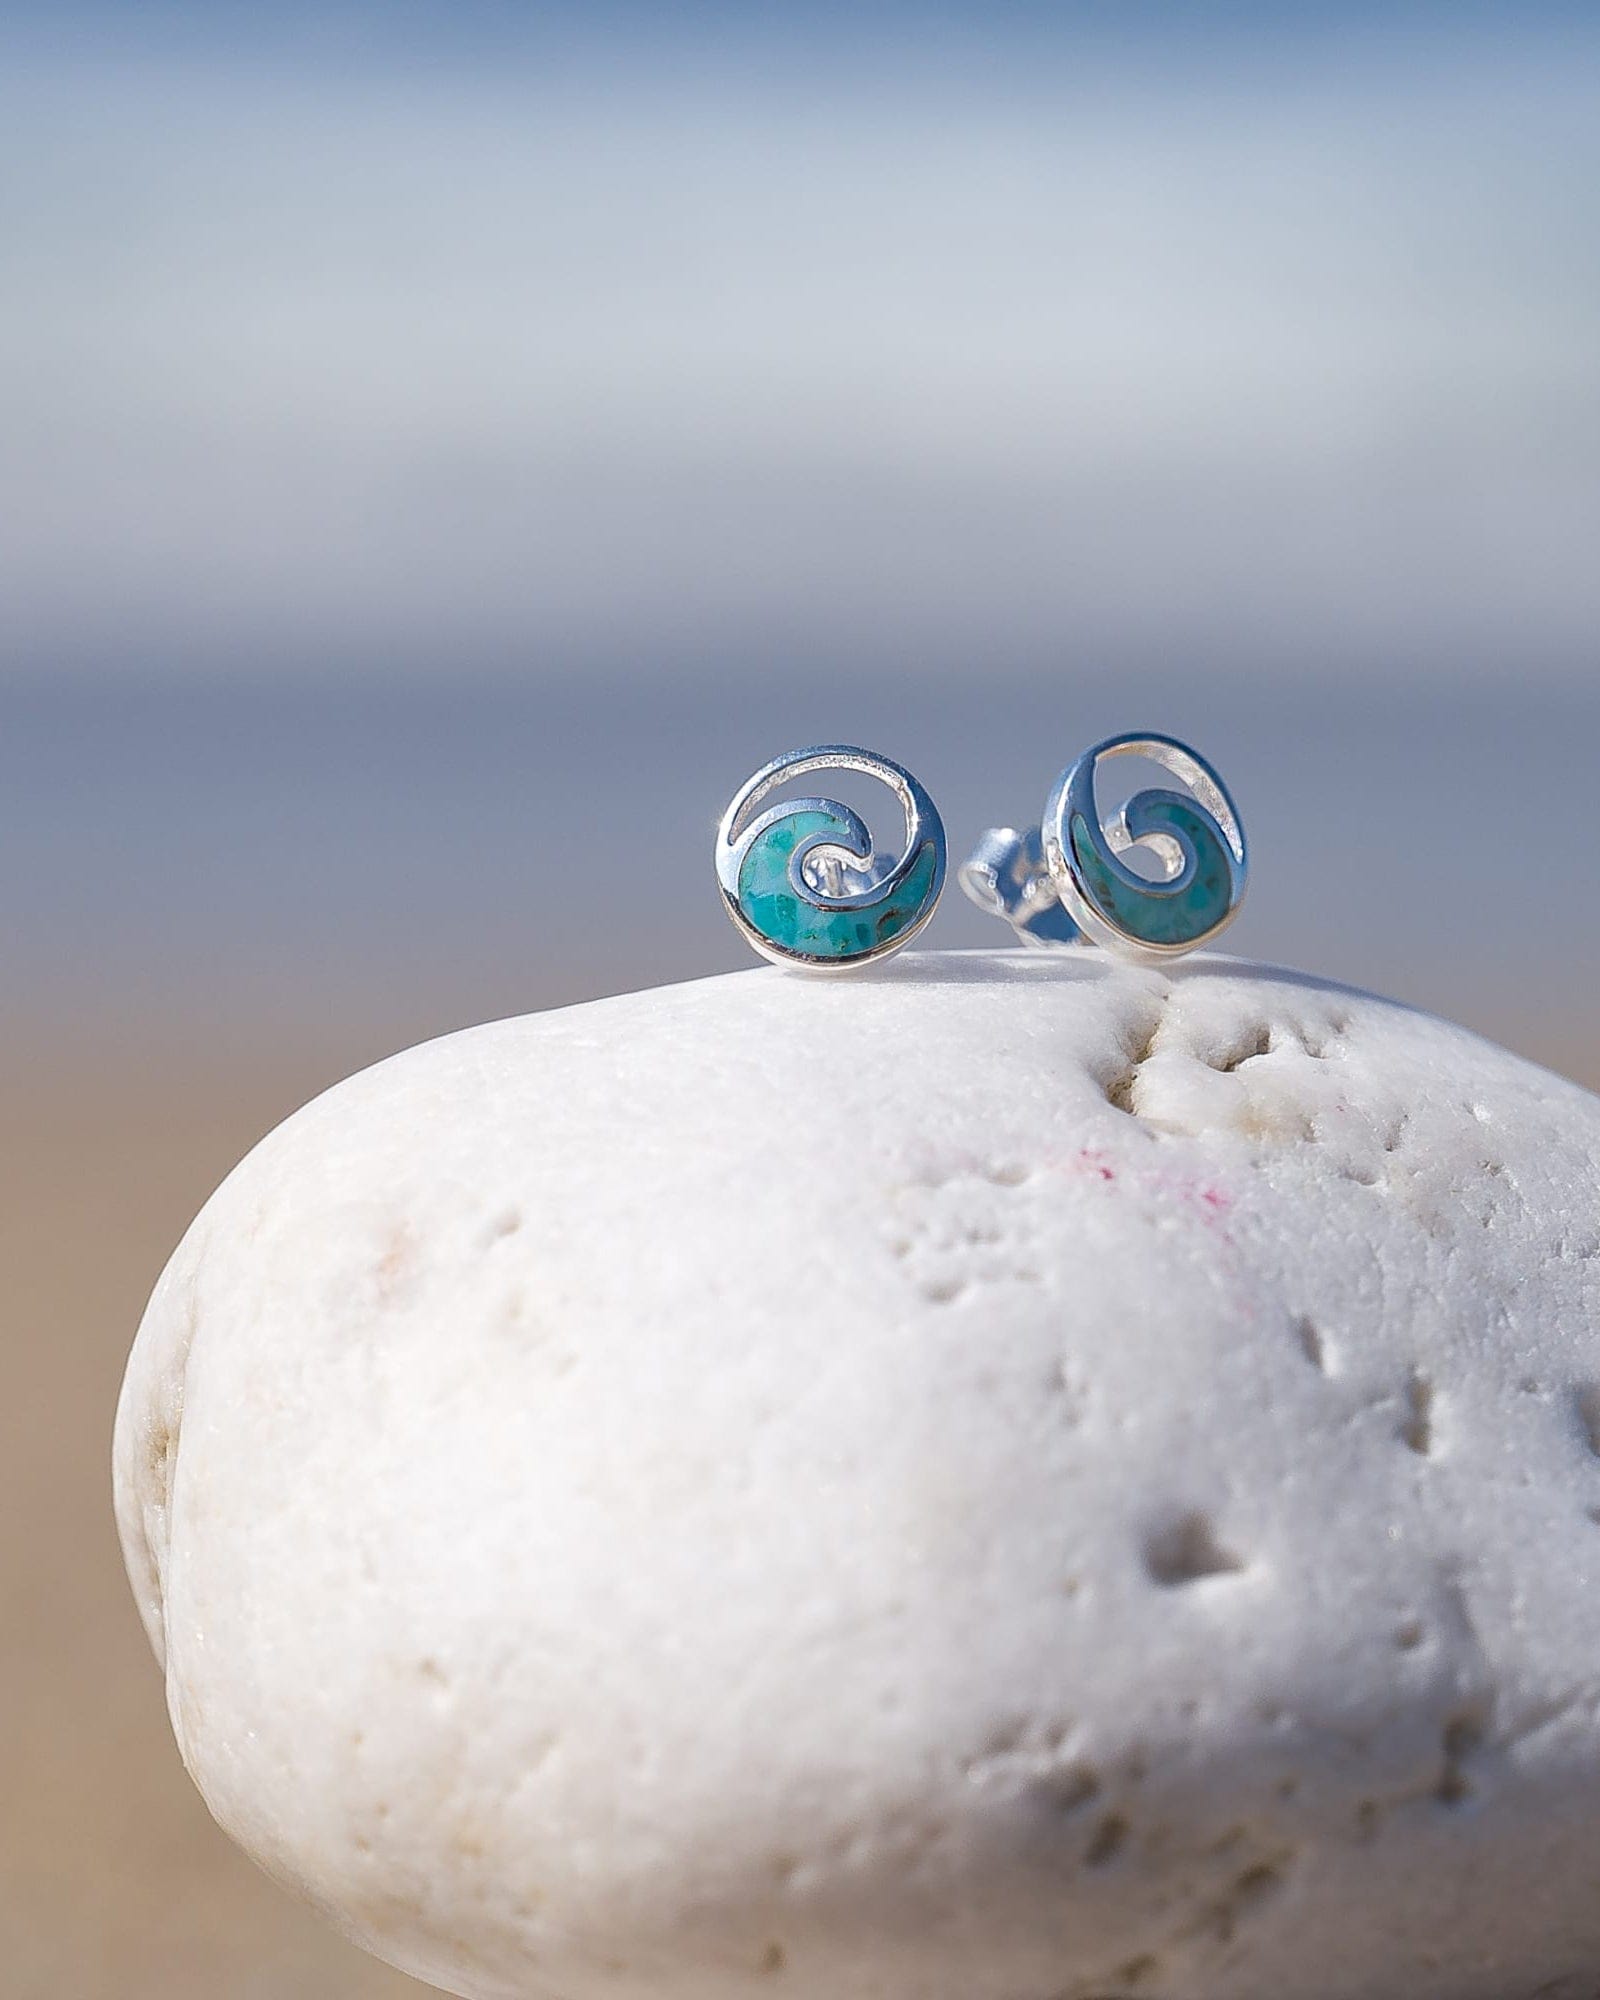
pixel 770 905
pixel 1150 911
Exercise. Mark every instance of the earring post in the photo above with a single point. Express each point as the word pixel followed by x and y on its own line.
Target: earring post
pixel 1006 876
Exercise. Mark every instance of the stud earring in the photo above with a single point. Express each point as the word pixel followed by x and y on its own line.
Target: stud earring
pixel 801 880
pixel 1066 878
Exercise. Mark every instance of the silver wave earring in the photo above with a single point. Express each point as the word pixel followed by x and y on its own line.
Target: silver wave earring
pixel 801 880
pixel 1066 879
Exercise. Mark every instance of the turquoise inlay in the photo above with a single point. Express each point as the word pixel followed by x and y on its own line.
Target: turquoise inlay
pixel 1149 911
pixel 767 896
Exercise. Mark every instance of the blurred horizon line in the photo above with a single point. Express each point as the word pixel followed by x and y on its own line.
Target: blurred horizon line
pixel 738 667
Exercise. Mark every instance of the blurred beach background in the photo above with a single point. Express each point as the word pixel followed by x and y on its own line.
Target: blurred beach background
pixel 445 447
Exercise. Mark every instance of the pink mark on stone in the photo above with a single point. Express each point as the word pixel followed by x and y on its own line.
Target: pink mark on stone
pixel 1209 1204
pixel 1213 1203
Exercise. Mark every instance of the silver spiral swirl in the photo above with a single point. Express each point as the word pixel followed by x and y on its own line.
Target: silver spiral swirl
pixel 1194 834
pixel 801 881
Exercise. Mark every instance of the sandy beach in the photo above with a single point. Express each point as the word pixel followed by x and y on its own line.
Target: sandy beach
pixel 116 1885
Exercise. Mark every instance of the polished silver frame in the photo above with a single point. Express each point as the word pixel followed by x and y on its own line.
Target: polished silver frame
pixel 1031 879
pixel 853 877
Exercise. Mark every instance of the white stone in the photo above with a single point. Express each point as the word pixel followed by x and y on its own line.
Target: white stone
pixel 1005 1478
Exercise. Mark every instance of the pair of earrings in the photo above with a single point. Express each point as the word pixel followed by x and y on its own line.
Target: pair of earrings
pixel 803 885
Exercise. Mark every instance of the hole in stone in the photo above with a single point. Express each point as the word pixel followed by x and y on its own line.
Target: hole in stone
pixel 1255 1885
pixel 1073 1789
pixel 1586 1402
pixel 1417 1429
pixel 1256 1042
pixel 1187 1551
pixel 1312 1345
pixel 1463 1735
pixel 1119 1092
pixel 1110 1837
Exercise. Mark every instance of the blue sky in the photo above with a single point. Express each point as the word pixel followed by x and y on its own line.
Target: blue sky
pixel 558 341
